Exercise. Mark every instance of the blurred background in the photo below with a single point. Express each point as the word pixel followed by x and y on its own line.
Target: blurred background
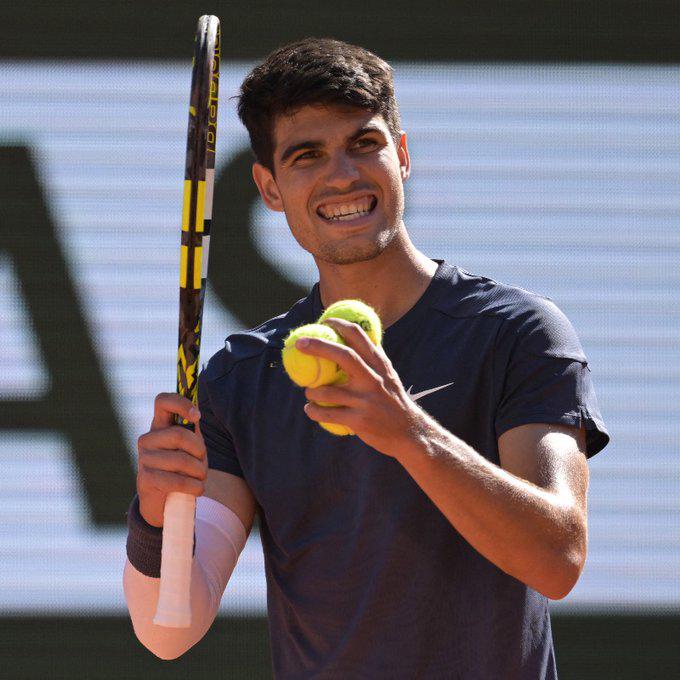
pixel 545 143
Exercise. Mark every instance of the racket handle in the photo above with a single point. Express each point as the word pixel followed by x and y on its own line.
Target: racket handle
pixel 174 598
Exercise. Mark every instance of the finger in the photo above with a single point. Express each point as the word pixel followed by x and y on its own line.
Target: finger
pixel 346 357
pixel 172 438
pixel 332 394
pixel 174 461
pixel 355 336
pixel 167 482
pixel 167 406
pixel 330 414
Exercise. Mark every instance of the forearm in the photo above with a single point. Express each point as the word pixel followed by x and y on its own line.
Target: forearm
pixel 531 533
pixel 220 537
pixel 141 594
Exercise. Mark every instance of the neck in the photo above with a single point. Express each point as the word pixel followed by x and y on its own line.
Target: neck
pixel 391 283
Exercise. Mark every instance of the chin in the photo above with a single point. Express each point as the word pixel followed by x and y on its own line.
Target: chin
pixel 352 253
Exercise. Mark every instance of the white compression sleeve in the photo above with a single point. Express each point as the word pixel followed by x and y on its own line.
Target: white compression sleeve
pixel 220 537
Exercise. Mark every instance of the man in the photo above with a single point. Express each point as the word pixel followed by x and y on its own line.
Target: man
pixel 427 545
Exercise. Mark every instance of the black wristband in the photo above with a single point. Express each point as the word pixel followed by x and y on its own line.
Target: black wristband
pixel 144 542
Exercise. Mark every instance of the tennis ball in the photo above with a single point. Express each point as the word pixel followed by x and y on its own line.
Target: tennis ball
pixel 357 312
pixel 336 428
pixel 307 370
pixel 360 313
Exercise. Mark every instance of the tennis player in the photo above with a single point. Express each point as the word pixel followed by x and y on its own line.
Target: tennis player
pixel 429 544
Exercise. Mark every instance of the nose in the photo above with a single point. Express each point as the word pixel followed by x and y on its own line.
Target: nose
pixel 342 172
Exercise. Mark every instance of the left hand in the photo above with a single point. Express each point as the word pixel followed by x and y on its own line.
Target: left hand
pixel 373 402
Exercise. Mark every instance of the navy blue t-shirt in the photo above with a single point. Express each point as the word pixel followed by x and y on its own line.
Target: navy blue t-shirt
pixel 365 576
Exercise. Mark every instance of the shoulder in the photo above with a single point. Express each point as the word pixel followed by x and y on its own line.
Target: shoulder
pixel 252 343
pixel 524 316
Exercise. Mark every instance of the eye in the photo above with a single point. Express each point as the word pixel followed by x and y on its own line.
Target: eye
pixel 366 144
pixel 305 155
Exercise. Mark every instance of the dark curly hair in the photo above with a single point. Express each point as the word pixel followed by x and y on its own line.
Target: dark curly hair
pixel 314 71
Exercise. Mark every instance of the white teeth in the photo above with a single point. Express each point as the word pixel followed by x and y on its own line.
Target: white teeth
pixel 347 211
pixel 346 218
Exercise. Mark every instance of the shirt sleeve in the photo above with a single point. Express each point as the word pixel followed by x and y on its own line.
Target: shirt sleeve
pixel 218 441
pixel 542 375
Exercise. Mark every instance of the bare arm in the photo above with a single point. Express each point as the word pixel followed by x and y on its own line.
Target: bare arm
pixel 232 492
pixel 527 516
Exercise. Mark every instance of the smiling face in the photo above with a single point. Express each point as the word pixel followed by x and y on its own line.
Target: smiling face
pixel 338 176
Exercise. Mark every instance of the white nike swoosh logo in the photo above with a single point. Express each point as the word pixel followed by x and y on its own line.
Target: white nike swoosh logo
pixel 424 393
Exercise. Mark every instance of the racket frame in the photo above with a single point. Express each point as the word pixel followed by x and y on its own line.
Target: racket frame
pixel 174 599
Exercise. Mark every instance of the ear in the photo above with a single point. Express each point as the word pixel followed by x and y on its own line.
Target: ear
pixel 404 158
pixel 267 187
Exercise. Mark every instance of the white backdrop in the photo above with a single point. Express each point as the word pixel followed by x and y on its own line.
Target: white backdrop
pixel 563 180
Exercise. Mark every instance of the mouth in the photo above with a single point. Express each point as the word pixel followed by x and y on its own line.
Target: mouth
pixel 348 211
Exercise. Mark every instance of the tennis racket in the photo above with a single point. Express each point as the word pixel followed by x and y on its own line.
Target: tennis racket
pixel 174 605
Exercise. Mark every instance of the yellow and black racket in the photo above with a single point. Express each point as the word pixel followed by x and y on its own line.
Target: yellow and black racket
pixel 174 607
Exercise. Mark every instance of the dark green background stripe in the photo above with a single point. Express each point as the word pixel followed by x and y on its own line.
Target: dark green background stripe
pixel 588 647
pixel 441 30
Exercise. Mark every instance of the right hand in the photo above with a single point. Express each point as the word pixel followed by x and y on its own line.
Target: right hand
pixel 171 457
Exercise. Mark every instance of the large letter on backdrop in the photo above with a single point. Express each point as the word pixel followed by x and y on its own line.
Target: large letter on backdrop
pixel 77 404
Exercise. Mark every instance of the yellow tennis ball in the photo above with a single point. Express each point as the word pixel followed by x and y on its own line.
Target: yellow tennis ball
pixel 357 312
pixel 365 316
pixel 336 428
pixel 307 370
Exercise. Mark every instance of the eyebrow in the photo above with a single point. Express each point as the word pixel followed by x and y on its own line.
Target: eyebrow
pixel 314 144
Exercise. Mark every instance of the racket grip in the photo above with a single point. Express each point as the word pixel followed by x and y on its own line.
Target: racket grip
pixel 174 598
